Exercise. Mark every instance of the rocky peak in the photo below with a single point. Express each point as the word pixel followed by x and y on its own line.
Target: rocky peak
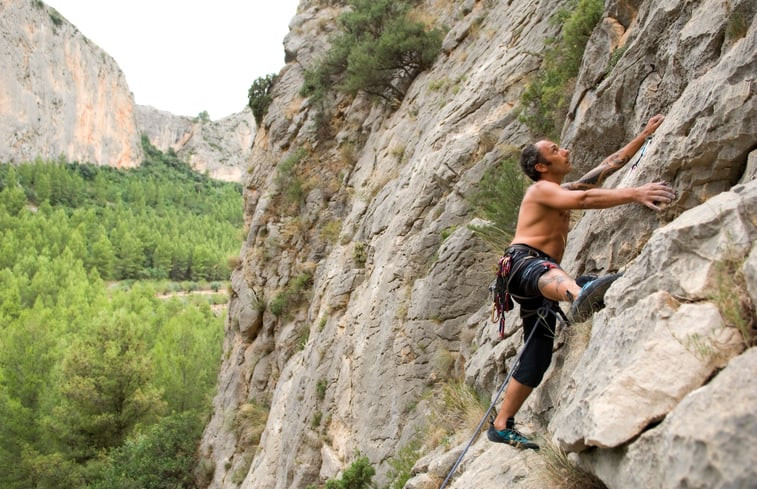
pixel 221 148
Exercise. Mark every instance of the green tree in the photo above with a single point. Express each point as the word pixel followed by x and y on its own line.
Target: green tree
pixel 544 103
pixel 13 199
pixel 379 51
pixel 130 256
pixel 259 96
pixel 186 355
pixel 27 356
pixel 160 458
pixel 104 388
pixel 103 257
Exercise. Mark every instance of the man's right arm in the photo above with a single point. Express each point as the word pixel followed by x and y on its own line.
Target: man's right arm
pixel 558 197
pixel 596 177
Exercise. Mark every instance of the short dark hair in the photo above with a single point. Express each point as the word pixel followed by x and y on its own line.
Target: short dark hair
pixel 528 160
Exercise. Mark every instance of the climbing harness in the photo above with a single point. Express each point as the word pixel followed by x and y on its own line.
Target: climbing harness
pixel 641 154
pixel 542 312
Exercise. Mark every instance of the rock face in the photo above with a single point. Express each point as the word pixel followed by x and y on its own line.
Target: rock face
pixel 60 94
pixel 221 148
pixel 354 305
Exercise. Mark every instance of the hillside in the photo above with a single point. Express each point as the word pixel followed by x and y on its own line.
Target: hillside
pixel 360 301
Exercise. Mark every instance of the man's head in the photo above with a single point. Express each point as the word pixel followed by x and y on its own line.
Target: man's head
pixel 542 157
pixel 529 158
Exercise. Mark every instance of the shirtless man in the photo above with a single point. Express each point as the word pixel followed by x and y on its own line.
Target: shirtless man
pixel 536 280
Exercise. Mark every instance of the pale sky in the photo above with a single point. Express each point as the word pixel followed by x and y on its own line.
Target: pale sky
pixel 186 56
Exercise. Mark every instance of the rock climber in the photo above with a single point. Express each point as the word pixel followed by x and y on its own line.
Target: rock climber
pixel 535 279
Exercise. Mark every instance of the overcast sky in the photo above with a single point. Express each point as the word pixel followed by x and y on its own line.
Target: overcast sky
pixel 186 56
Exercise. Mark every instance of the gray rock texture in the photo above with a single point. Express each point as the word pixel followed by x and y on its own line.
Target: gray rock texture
pixel 397 305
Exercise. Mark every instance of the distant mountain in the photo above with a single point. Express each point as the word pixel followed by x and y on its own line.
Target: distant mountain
pixel 61 95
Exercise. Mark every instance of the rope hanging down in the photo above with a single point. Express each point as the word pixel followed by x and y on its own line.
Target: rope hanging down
pixel 542 312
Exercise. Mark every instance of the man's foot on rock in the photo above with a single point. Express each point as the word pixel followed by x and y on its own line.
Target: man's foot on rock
pixel 510 437
pixel 592 298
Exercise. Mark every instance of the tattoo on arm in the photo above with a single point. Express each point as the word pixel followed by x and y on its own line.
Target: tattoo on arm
pixel 596 177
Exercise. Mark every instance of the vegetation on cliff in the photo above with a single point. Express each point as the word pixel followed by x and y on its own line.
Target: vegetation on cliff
pixel 545 100
pixel 379 51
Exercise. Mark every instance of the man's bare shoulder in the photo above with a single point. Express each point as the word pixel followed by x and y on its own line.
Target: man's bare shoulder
pixel 540 188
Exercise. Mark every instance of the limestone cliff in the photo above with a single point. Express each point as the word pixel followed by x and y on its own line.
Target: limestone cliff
pixel 353 308
pixel 221 148
pixel 60 94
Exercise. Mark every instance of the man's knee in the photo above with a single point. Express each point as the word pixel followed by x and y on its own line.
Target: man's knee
pixel 534 362
pixel 531 377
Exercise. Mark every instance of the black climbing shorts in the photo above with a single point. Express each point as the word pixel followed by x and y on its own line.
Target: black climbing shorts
pixel 527 265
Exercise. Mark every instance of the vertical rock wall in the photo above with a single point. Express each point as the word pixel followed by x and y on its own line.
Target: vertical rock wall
pixel 398 301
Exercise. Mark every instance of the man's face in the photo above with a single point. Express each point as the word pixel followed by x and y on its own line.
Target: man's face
pixel 553 158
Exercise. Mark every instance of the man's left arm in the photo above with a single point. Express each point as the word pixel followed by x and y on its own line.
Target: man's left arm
pixel 596 177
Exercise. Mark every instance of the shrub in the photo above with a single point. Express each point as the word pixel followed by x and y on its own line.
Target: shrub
pixel 320 389
pixel 359 475
pixel 402 464
pixel 497 199
pixel 162 457
pixel 379 51
pixel 544 103
pixel 360 254
pixel 259 96
pixel 292 296
pixel 288 182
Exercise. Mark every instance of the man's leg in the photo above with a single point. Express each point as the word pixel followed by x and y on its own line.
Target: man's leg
pixel 557 285
pixel 515 395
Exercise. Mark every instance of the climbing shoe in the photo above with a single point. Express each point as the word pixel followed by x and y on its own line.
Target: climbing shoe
pixel 592 298
pixel 510 437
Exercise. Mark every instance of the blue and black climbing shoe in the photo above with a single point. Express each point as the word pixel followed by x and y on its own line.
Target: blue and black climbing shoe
pixel 510 436
pixel 592 298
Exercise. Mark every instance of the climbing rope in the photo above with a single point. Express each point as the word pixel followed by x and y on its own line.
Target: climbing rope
pixel 542 312
pixel 641 154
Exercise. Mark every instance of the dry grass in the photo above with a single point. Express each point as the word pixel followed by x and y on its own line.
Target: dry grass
pixel 249 424
pixel 456 412
pixel 733 300
pixel 557 471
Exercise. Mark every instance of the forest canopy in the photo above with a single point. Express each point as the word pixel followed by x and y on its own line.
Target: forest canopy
pixel 103 381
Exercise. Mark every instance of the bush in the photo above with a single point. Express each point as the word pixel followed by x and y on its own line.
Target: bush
pixel 380 51
pixel 292 296
pixel 288 182
pixel 259 96
pixel 402 464
pixel 545 100
pixel 359 475
pixel 162 457
pixel 497 199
